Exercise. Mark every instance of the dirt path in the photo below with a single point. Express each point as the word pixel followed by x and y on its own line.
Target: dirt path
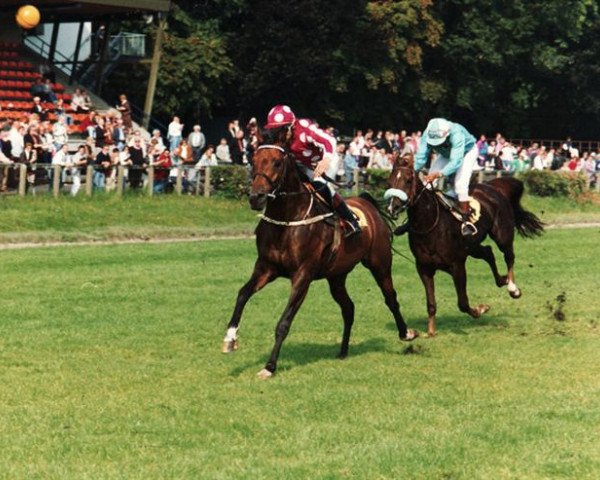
pixel 24 245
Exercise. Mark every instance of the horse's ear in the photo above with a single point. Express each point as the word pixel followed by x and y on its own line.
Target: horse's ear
pixel 260 136
pixel 395 157
pixel 408 159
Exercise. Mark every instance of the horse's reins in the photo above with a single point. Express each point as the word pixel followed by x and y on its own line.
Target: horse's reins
pixel 275 193
pixel 414 199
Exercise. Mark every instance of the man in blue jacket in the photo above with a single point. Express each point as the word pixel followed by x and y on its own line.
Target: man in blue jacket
pixel 456 151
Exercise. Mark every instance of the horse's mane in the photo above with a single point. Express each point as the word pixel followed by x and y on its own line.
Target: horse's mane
pixel 273 136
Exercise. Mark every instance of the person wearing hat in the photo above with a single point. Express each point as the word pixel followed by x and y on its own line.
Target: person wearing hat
pixel 456 151
pixel 315 154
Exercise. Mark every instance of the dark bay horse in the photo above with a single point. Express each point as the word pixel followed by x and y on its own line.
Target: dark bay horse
pixel 294 241
pixel 436 241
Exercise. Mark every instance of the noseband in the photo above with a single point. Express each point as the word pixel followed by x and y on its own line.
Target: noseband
pixel 414 197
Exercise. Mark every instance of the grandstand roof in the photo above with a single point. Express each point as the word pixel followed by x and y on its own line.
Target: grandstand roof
pixel 64 10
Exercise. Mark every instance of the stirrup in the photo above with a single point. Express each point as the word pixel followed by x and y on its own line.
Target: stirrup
pixel 353 230
pixel 468 229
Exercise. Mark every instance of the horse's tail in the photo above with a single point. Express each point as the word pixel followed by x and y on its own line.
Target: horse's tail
pixel 527 224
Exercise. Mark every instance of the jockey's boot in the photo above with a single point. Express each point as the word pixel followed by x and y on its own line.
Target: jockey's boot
pixel 467 228
pixel 342 209
pixel 402 228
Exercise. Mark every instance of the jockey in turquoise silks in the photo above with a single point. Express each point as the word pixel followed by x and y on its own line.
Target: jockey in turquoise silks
pixel 456 157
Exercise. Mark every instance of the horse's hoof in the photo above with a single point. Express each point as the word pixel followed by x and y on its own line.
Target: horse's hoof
pixel 410 335
pixel 230 346
pixel 515 293
pixel 430 335
pixel 483 308
pixel 264 374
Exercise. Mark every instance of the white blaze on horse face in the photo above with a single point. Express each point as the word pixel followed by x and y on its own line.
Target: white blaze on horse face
pixel 399 175
pixel 231 334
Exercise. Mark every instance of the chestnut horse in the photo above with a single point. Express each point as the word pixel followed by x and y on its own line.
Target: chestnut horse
pixel 436 241
pixel 295 241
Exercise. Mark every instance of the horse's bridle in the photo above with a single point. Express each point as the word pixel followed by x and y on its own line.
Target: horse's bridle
pixel 414 197
pixel 274 186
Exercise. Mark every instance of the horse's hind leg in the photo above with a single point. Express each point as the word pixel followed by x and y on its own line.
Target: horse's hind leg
pixel 337 287
pixel 261 275
pixel 509 258
pixel 459 276
pixel 505 244
pixel 485 252
pixel 383 276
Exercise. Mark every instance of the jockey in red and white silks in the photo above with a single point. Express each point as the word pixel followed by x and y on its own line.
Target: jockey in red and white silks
pixel 315 154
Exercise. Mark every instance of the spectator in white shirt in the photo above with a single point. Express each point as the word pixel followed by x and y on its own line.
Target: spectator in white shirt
pixel 174 134
pixel 208 159
pixel 60 133
pixel 197 141
pixel 223 155
pixel 16 136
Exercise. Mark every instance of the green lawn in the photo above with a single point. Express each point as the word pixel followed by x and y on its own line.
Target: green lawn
pixel 106 217
pixel 110 367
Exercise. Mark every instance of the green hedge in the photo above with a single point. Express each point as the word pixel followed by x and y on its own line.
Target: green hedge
pixel 229 181
pixel 545 183
pixel 376 181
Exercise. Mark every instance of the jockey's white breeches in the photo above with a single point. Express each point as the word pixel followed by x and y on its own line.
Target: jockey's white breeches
pixel 462 177
pixel 331 173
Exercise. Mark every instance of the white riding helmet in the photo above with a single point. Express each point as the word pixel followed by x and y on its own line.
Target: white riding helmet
pixel 437 131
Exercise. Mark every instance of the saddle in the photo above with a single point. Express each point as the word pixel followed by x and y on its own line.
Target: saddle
pixel 451 204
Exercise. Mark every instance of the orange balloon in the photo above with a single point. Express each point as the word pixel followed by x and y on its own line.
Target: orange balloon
pixel 28 17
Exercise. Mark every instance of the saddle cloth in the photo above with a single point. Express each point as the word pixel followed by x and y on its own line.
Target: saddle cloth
pixel 452 205
pixel 362 218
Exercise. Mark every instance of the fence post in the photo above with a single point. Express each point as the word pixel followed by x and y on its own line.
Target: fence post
pixel 22 179
pixel 355 178
pixel 151 180
pixel 89 180
pixel 179 181
pixel 207 182
pixel 56 180
pixel 120 178
pixel 598 182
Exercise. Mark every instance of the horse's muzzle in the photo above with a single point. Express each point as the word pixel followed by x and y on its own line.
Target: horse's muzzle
pixel 398 200
pixel 257 201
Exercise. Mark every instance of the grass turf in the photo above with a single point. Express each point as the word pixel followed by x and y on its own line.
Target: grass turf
pixel 110 368
pixel 106 217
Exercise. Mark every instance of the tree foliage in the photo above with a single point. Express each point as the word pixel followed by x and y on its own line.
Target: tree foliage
pixel 524 67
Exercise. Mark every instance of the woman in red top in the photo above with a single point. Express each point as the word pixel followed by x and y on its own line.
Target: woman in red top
pixel 315 154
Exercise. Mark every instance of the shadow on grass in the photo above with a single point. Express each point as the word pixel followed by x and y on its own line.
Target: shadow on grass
pixel 299 354
pixel 457 323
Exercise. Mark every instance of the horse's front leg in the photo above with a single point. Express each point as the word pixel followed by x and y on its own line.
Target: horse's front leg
pixel 300 283
pixel 262 274
pixel 459 275
pixel 426 273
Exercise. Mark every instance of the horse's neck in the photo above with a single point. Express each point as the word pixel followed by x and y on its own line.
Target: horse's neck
pixel 294 205
pixel 425 203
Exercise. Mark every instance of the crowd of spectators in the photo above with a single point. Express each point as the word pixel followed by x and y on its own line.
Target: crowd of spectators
pixel 110 139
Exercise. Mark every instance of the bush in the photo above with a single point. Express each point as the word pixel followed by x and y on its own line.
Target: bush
pixel 229 181
pixel 376 181
pixel 555 184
